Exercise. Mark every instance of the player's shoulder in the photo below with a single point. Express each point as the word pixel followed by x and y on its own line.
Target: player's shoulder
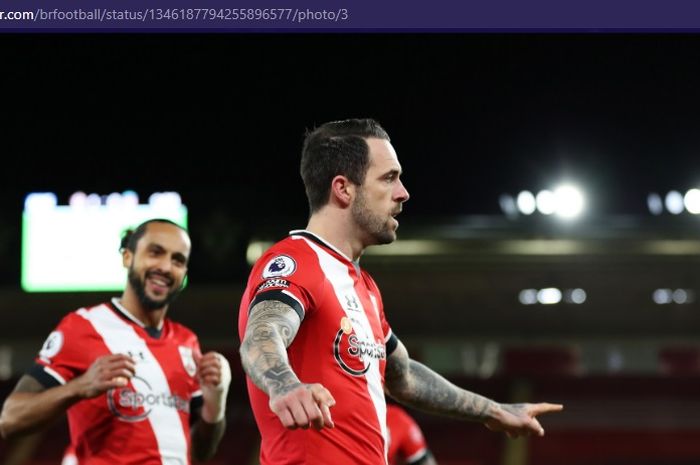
pixel 78 318
pixel 294 244
pixel 285 258
pixel 368 277
pixel 181 332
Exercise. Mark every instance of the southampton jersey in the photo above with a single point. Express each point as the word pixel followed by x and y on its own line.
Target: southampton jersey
pixel 146 422
pixel 342 343
pixel 405 437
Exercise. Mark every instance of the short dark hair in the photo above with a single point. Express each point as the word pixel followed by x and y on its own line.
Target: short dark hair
pixel 336 148
pixel 131 237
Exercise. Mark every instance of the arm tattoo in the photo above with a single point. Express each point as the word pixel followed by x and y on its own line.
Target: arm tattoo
pixel 418 386
pixel 272 326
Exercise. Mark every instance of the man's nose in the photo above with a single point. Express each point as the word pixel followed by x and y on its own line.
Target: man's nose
pixel 402 194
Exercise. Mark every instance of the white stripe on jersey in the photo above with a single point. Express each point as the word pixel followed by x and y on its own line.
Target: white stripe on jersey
pixel 120 338
pixel 292 296
pixel 337 274
pixel 417 455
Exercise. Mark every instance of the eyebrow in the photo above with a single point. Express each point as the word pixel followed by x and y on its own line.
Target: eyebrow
pixel 393 171
pixel 159 248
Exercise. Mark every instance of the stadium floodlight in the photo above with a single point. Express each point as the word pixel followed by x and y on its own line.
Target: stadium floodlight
pixel 507 203
pixel 575 296
pixel 655 204
pixel 569 201
pixel 674 202
pixel 692 201
pixel 662 296
pixel 549 296
pixel 528 296
pixel 680 296
pixel 526 203
pixel 546 202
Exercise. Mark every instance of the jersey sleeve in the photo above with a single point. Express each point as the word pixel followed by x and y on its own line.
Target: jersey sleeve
pixel 289 276
pixel 65 354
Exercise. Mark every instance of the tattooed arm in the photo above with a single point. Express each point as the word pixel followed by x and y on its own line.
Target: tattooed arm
pixel 418 386
pixel 271 328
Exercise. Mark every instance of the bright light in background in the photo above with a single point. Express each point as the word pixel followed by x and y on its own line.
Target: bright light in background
pixel 575 296
pixel 552 296
pixel 569 201
pixel 655 204
pixel 546 202
pixel 508 206
pixel 526 203
pixel 680 296
pixel 62 243
pixel 549 296
pixel 662 296
pixel 692 201
pixel 674 202
pixel 667 296
pixel 528 296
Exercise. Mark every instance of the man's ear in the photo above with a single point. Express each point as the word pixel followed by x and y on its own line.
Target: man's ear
pixel 342 191
pixel 127 258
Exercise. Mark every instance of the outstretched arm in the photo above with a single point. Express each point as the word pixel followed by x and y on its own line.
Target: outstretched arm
pixel 418 386
pixel 271 328
pixel 31 406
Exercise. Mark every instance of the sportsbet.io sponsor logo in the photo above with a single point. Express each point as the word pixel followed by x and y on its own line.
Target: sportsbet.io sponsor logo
pixel 134 403
pixel 354 355
pixel 281 265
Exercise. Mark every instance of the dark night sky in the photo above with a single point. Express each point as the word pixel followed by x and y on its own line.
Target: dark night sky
pixel 470 115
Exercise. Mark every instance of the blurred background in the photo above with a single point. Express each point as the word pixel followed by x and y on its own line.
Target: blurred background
pixel 549 250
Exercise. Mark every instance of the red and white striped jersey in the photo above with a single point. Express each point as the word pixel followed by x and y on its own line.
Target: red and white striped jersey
pixel 342 343
pixel 146 422
pixel 405 437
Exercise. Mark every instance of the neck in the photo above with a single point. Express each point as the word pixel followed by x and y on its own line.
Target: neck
pixel 337 230
pixel 150 318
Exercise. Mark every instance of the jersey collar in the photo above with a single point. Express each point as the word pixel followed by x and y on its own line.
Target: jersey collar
pixel 319 240
pixel 153 332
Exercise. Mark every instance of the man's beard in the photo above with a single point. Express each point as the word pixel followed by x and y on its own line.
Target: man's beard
pixel 373 225
pixel 139 287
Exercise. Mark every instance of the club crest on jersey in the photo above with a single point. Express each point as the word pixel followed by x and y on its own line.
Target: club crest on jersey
pixel 52 346
pixel 355 355
pixel 188 360
pixel 133 403
pixel 281 265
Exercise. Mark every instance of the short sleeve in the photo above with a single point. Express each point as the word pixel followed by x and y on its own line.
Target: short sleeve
pixel 288 276
pixel 66 352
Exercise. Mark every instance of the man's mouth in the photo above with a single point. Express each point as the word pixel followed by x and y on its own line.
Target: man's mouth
pixel 159 282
